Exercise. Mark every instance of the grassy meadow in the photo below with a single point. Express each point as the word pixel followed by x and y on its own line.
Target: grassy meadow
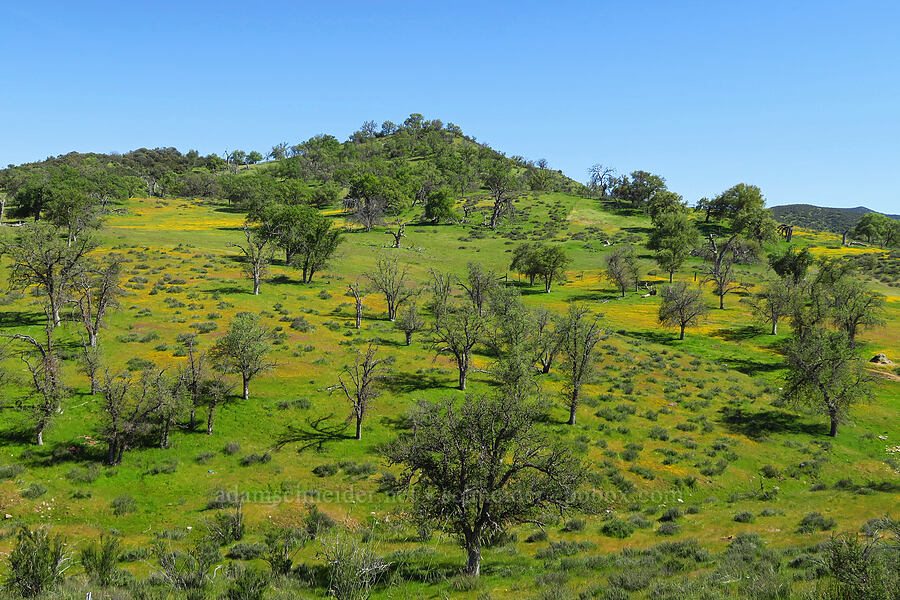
pixel 665 424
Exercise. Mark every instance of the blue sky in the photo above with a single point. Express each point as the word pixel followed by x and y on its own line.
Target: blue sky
pixel 800 98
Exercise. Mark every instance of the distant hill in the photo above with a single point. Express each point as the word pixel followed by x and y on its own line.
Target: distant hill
pixel 821 218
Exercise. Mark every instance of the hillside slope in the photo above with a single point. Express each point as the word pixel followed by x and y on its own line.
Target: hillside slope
pixel 821 218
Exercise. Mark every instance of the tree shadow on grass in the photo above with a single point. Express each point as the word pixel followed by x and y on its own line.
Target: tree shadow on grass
pixel 17 434
pixel 415 382
pixel 751 367
pixel 21 318
pixel 231 289
pixel 594 296
pixel 747 332
pixel 757 425
pixel 657 337
pixel 284 280
pixel 316 433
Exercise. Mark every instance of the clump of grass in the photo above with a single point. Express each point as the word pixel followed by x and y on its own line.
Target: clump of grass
pixel 11 471
pixel 231 448
pixel 815 521
pixel 326 470
pixel 573 525
pixel 668 528
pixel 123 505
pixel 563 548
pixel 671 514
pixel 87 475
pixel 745 516
pixel 33 491
pixel 538 536
pixel 204 457
pixel 255 459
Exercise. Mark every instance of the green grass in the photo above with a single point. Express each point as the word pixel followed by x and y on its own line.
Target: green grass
pixel 712 394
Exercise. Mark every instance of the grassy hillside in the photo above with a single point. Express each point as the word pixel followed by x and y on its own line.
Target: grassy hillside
pixel 822 218
pixel 684 442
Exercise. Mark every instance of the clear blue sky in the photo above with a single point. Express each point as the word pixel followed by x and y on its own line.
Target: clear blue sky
pixel 800 98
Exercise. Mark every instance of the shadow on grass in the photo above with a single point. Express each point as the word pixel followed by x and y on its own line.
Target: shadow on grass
pixel 740 334
pixel 316 433
pixel 415 382
pixel 231 289
pixel 21 318
pixel 657 337
pixel 594 296
pixel 756 425
pixel 17 434
pixel 751 367
pixel 284 280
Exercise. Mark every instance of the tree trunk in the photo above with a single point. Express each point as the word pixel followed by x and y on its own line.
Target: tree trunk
pixel 92 338
pixel 545 366
pixel 54 307
pixel 775 327
pixel 834 425
pixel 408 338
pixel 681 337
pixel 473 560
pixel 358 427
pixel 39 438
pixel 721 301
pixel 256 285
pixel 246 387
pixel 671 275
pixel 210 418
pixel 573 406
pixel 463 373
pixel 164 438
pixel 111 453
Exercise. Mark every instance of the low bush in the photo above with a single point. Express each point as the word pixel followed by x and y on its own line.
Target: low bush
pixel 123 505
pixel 618 528
pixel 815 521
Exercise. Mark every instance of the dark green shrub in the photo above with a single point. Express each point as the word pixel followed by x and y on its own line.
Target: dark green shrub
pixel 255 459
pixel 745 516
pixel 326 470
pixel 769 472
pixel 617 528
pixel 658 433
pixel 671 514
pixel 538 536
pixel 815 522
